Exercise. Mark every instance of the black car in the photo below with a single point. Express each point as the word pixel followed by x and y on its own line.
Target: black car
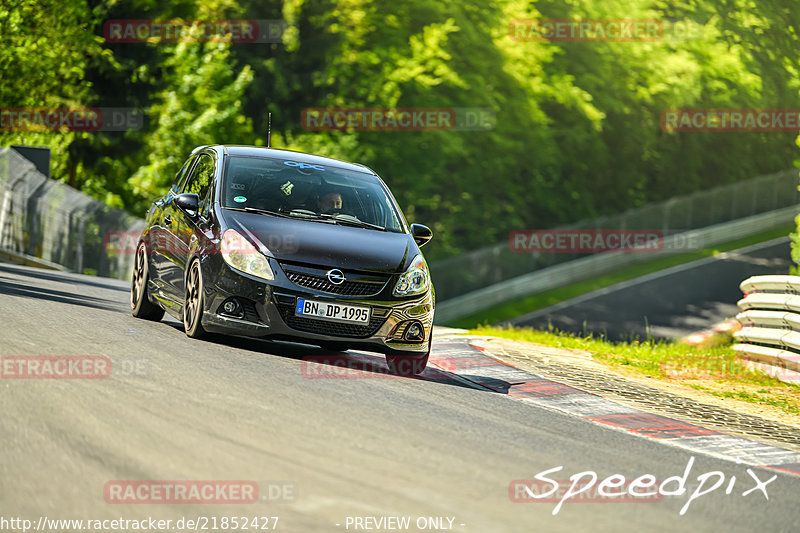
pixel 291 246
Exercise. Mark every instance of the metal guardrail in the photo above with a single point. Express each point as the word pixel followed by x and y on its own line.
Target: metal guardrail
pixel 44 219
pixel 476 269
pixel 599 264
pixel 770 336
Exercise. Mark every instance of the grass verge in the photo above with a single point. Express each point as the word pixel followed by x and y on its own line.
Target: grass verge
pixel 515 308
pixel 713 369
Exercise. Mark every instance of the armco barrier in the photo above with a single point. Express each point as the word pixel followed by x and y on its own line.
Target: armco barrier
pixel 599 264
pixel 476 269
pixel 44 222
pixel 770 336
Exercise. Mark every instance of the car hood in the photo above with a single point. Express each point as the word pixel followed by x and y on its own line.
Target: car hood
pixel 325 244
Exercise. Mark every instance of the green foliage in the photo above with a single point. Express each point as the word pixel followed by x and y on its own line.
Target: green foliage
pixel 47 45
pixel 795 237
pixel 577 132
pixel 202 104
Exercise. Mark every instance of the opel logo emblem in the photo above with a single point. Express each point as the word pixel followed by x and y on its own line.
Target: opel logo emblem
pixel 335 276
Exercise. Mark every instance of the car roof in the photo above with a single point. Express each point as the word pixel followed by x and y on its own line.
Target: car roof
pixel 301 157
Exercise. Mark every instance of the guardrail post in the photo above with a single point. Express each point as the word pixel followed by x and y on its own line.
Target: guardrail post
pixel 770 337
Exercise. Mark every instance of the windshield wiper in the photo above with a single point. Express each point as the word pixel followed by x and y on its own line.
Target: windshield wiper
pixel 337 219
pixel 310 215
pixel 260 211
pixel 356 223
pixel 350 221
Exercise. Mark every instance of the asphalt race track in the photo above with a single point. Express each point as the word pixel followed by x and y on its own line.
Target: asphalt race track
pixel 666 304
pixel 322 451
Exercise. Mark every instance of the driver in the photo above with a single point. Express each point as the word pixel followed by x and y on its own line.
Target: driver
pixel 329 202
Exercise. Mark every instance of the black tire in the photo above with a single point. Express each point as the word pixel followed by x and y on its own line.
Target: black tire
pixel 141 306
pixel 411 364
pixel 193 302
pixel 407 365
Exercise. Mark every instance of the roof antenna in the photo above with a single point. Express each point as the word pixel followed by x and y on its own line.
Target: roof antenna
pixel 269 131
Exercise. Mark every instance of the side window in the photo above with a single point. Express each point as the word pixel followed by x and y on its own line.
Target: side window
pixel 200 182
pixel 180 178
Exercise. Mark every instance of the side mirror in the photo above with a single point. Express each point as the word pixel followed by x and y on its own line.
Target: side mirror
pixel 188 202
pixel 422 234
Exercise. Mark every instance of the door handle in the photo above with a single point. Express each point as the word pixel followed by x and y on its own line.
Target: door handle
pixel 168 220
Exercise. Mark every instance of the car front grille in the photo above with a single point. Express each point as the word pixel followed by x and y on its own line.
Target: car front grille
pixel 329 327
pixel 347 288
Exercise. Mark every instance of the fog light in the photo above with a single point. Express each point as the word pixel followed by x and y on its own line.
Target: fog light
pixel 415 332
pixel 231 308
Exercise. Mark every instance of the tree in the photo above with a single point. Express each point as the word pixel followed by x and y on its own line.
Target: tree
pixel 47 45
pixel 202 104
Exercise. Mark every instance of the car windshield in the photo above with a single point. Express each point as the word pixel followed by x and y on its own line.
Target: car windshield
pixel 315 192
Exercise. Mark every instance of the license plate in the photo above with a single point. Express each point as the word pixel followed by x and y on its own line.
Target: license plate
pixel 332 311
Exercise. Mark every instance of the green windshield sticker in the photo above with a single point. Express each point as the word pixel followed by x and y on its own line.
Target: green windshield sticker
pixel 240 199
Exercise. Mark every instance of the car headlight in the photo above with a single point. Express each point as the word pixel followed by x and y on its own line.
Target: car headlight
pixel 414 280
pixel 241 255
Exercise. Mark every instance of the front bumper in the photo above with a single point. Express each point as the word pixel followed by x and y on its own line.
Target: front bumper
pixel 268 311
